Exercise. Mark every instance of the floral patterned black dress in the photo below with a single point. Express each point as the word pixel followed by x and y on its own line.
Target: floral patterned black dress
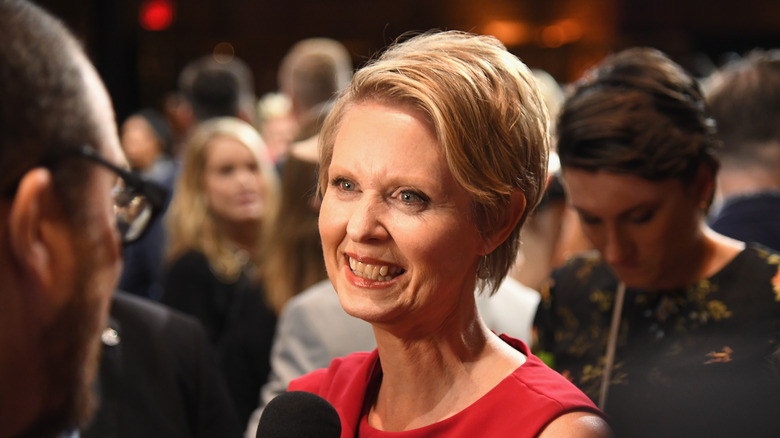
pixel 703 361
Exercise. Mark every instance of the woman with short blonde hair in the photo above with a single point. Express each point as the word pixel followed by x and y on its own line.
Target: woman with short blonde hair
pixel 431 161
pixel 493 150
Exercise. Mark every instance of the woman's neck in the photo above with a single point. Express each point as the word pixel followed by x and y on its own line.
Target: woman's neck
pixel 428 379
pixel 722 251
pixel 244 235
pixel 705 256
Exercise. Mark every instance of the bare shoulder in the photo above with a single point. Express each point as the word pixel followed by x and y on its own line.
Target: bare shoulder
pixel 579 425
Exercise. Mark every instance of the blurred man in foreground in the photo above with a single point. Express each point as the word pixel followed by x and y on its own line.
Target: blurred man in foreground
pixel 67 204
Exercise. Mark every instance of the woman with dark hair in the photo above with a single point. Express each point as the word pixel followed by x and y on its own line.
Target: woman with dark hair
pixel 676 324
pixel 146 140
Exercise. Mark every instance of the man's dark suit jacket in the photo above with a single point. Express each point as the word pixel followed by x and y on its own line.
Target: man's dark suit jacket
pixel 159 377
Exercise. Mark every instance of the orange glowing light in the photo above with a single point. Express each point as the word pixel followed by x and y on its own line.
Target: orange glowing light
pixel 509 32
pixel 561 32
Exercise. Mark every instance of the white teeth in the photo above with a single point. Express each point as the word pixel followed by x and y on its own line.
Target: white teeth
pixel 373 272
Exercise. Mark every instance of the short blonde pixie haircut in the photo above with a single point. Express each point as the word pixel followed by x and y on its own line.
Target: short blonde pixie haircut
pixel 190 224
pixel 486 111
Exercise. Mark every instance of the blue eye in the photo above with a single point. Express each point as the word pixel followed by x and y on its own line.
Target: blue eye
pixel 343 184
pixel 410 197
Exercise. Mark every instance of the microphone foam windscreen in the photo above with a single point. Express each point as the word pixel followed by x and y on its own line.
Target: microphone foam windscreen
pixel 299 414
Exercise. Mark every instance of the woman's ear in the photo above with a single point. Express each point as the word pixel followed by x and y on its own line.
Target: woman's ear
pixel 517 204
pixel 704 184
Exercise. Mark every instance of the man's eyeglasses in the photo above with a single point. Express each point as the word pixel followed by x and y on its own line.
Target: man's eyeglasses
pixel 137 201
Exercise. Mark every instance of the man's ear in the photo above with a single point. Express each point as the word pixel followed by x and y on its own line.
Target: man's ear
pixel 28 220
pixel 499 235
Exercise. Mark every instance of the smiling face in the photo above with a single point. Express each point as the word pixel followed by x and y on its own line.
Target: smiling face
pixel 235 189
pixel 397 234
pixel 647 231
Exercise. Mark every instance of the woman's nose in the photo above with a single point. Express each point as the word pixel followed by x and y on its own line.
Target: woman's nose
pixel 365 221
pixel 617 247
pixel 247 178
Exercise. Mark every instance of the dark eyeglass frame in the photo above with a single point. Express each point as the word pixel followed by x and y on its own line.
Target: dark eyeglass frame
pixel 155 194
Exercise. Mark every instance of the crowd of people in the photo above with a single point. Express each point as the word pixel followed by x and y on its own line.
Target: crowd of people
pixel 442 242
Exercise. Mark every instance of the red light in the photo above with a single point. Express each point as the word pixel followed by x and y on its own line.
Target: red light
pixel 156 14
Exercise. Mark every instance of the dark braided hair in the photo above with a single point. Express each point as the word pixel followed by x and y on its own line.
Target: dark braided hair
pixel 637 113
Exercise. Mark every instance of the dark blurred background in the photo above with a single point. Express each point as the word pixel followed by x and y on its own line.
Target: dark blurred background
pixel 139 46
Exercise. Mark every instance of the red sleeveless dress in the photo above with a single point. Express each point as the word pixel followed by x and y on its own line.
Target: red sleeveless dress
pixel 521 405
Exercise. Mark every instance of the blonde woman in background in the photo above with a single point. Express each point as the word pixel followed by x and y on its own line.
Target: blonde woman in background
pixel 225 191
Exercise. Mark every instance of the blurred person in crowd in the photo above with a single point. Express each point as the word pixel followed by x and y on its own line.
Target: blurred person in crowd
pixel 226 189
pixel 66 208
pixel 542 237
pixel 545 234
pixel 311 74
pixel 552 93
pixel 146 140
pixel 179 115
pixel 217 87
pixel 670 326
pixel 158 377
pixel 421 205
pixel 293 250
pixel 744 98
pixel 277 124
pixel 208 87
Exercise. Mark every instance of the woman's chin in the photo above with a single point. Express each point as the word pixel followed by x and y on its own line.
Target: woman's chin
pixel 367 308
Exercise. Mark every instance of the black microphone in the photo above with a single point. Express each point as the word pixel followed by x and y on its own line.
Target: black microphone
pixel 299 414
